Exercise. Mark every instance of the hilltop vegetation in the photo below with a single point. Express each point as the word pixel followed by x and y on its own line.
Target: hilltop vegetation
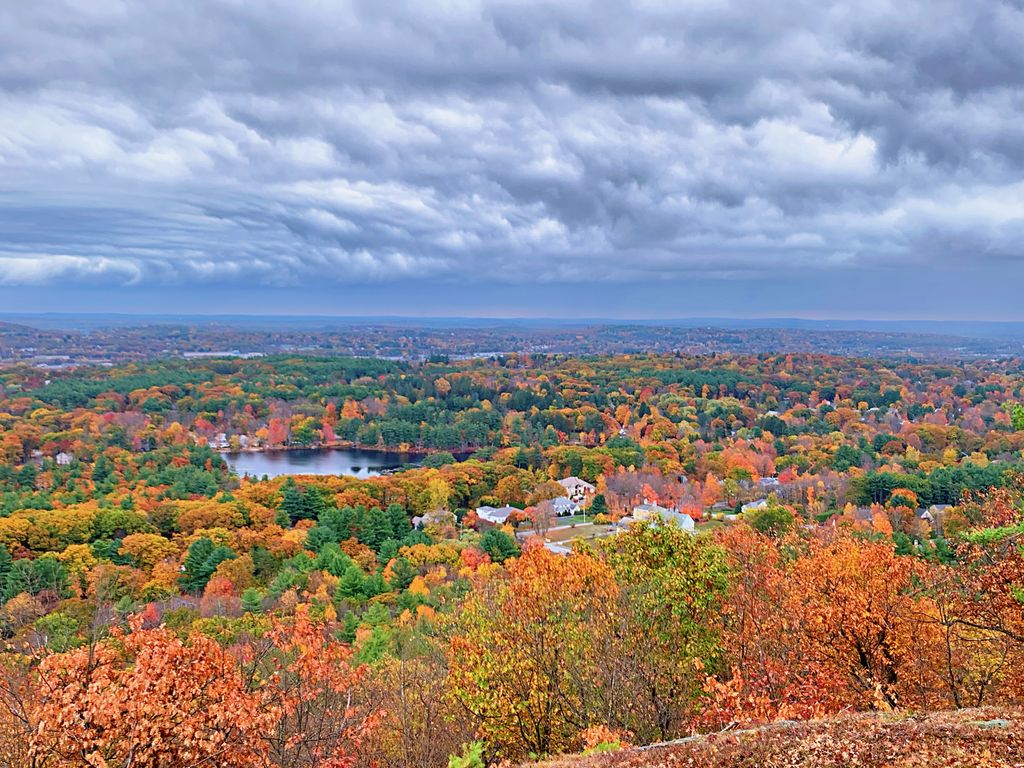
pixel 963 739
pixel 857 548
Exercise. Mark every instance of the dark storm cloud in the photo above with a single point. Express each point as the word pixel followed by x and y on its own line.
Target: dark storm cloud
pixel 292 143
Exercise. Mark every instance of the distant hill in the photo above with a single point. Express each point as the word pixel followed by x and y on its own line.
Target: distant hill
pixel 986 738
pixel 97 339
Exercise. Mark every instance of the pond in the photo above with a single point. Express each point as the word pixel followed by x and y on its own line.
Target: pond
pixel 317 461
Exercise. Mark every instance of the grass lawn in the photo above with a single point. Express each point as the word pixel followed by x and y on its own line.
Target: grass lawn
pixel 709 525
pixel 570 519
pixel 588 531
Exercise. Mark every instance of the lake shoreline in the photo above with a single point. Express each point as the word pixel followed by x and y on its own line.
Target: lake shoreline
pixel 347 446
pixel 325 460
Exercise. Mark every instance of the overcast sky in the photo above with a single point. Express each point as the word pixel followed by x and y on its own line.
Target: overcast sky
pixel 645 159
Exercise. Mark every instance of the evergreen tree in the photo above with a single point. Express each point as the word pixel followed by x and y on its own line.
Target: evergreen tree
pixel 375 585
pixel 377 529
pixel 351 584
pixel 102 471
pixel 18 578
pixel 6 561
pixel 292 502
pixel 402 574
pixel 400 522
pixel 252 601
pixel 314 503
pixel 499 545
pixel 332 560
pixel 388 551
pixel 599 506
pixel 318 537
pixel 201 561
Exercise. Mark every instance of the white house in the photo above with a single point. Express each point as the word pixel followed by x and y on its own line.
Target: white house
pixel 648 510
pixel 64 459
pixel 496 515
pixel 658 514
pixel 753 506
pixel 576 489
pixel 564 506
pixel 558 549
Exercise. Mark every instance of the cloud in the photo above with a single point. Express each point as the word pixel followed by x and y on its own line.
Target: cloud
pixel 289 143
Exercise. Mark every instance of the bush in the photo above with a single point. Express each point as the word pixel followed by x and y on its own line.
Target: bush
pixel 472 756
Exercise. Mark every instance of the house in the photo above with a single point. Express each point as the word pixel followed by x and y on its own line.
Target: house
pixel 433 517
pixel 681 519
pixel 769 482
pixel 219 441
pixel 563 506
pixel 658 514
pixel 576 489
pixel 647 510
pixel 558 549
pixel 64 459
pixel 496 515
pixel 753 506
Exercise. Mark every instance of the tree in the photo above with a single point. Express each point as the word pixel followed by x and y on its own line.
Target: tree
pixel 499 545
pixel 351 585
pixel 292 502
pixel 252 600
pixel 402 574
pixel 316 721
pixel 201 561
pixel 554 611
pixel 146 697
pixel 400 523
pixel 541 517
pixel 377 529
pixel 771 520
pixel 672 590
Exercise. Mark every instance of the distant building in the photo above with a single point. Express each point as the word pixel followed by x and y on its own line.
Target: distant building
pixel 576 489
pixel 64 459
pixel 434 517
pixel 496 515
pixel 659 514
pixel 563 506
pixel 753 506
pixel 558 549
pixel 648 510
pixel 769 482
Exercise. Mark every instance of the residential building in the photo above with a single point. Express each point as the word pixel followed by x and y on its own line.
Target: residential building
pixel 563 506
pixel 496 515
pixel 576 489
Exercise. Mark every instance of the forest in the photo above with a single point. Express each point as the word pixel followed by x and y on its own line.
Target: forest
pixel 857 545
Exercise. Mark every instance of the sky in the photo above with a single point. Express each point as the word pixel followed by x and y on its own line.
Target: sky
pixel 551 159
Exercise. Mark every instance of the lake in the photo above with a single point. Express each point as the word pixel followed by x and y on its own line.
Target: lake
pixel 317 461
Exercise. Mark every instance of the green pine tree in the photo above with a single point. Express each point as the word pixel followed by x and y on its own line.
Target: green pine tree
pixel 499 545
pixel 252 601
pixel 292 502
pixel 400 522
pixel 402 574
pixel 377 529
pixel 351 584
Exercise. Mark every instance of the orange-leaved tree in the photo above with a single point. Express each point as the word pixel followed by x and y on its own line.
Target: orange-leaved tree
pixel 146 697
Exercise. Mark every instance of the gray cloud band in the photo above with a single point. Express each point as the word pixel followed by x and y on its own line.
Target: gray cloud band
pixel 287 142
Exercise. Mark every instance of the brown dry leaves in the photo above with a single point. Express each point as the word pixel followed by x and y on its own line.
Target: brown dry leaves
pixel 943 740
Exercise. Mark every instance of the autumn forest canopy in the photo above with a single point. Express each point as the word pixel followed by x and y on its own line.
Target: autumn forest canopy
pixel 587 552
